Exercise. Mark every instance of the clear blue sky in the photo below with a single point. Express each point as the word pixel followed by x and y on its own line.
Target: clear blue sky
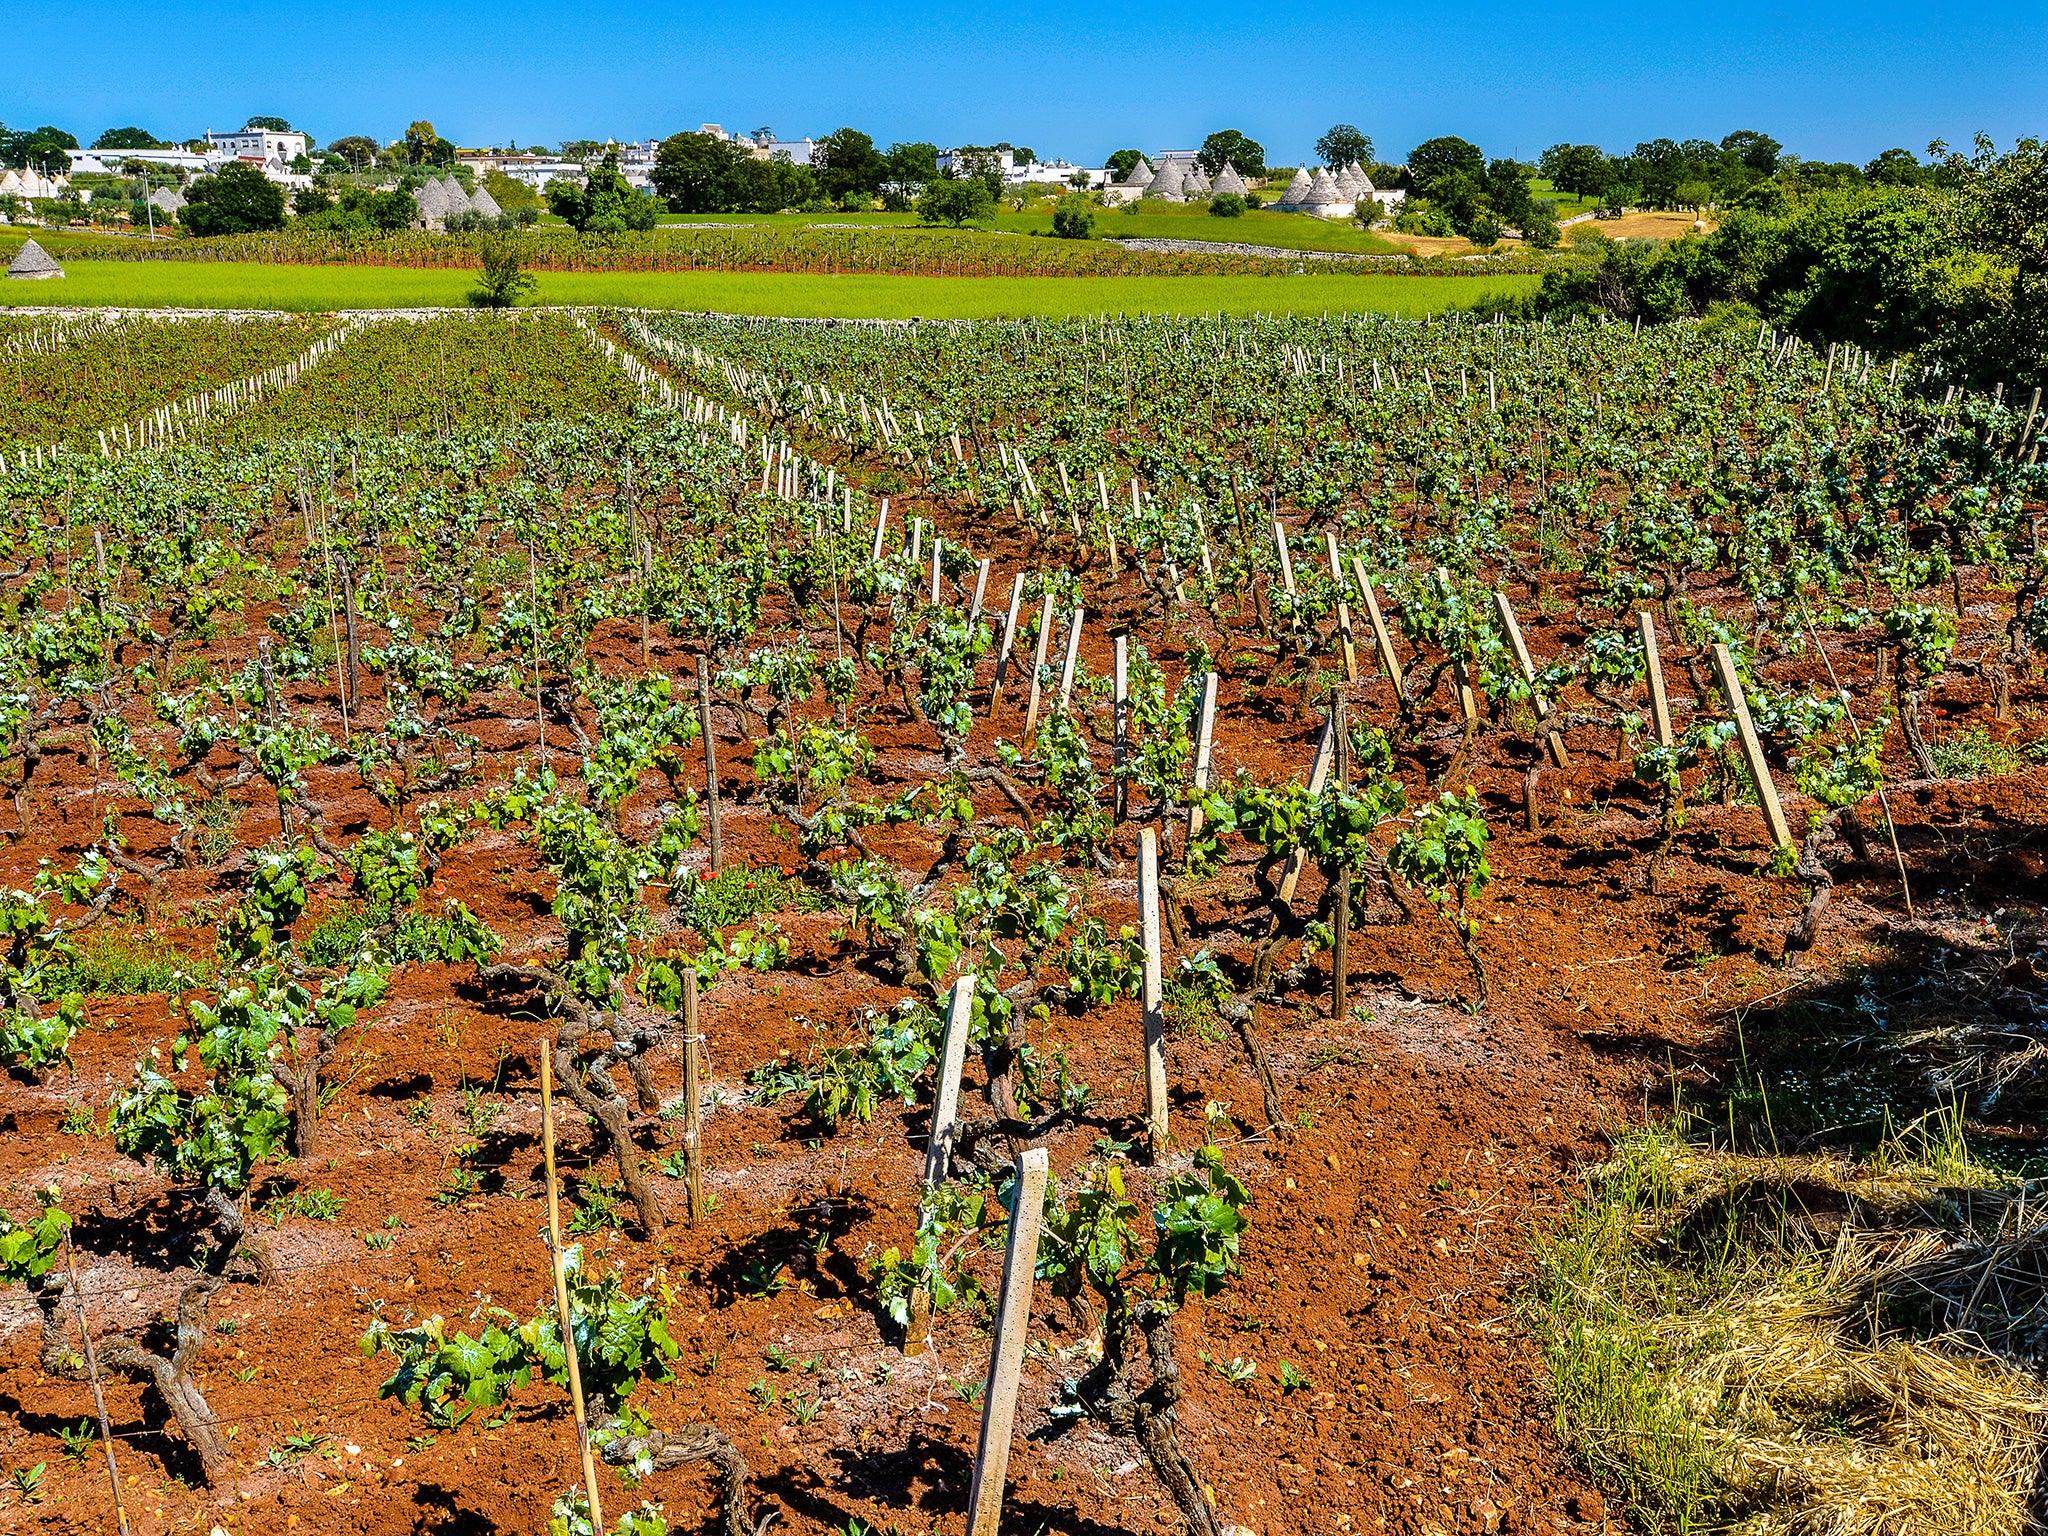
pixel 1832 81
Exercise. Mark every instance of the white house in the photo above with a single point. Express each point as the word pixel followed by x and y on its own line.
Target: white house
pixel 110 161
pixel 259 144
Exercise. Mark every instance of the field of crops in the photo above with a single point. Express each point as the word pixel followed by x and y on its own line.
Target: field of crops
pixel 1078 895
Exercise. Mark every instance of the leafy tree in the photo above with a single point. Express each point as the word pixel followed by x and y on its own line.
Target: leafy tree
pixel 768 186
pixel 605 204
pixel 1435 161
pixel 235 200
pixel 1507 192
pixel 1580 169
pixel 422 146
pixel 912 167
pixel 1341 145
pixel 1121 162
pixel 125 138
pixel 510 193
pixel 850 169
pixel 1226 205
pixel 310 200
pixel 42 149
pixel 696 173
pixel 1248 155
pixel 269 124
pixel 955 201
pixel 359 150
pixel 1073 218
pixel 1758 151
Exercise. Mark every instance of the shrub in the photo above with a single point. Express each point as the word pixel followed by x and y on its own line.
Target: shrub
pixel 1226 205
pixel 1073 219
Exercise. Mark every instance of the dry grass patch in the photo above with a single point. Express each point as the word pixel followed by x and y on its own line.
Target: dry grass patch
pixel 1803 1345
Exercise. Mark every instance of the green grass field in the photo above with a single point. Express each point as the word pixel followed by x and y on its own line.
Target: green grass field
pixel 240 285
pixel 1152 221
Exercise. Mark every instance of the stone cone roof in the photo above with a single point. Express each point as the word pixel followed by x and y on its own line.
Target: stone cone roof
pixel 1364 181
pixel 431 198
pixel 1197 181
pixel 1140 175
pixel 1227 180
pixel 1168 181
pixel 1297 190
pixel 1347 182
pixel 33 261
pixel 1322 192
pixel 485 204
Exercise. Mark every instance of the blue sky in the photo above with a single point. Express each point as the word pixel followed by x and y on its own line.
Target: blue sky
pixel 1832 81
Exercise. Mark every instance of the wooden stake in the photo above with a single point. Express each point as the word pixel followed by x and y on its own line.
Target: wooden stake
pixel 547 1127
pixel 693 1097
pixel 1752 749
pixel 1120 727
pixel 995 689
pixel 1340 927
pixel 946 1106
pixel 1653 669
pixel 935 569
pixel 710 762
pixel 1006 1355
pixel 881 522
pixel 1343 610
pixel 1552 741
pixel 1318 772
pixel 1381 640
pixel 1038 667
pixel 1203 733
pixel 1073 656
pixel 92 1369
pixel 980 591
pixel 1154 1000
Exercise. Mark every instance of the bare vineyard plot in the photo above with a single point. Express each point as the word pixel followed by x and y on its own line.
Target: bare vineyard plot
pixel 865 770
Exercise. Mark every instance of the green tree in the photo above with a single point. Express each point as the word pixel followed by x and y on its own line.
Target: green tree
pixel 850 169
pixel 1437 160
pixel 236 199
pixel 1758 151
pixel 605 204
pixel 912 167
pixel 357 149
pixel 694 173
pixel 954 201
pixel 422 146
pixel 1226 205
pixel 1341 145
pixel 1073 218
pixel 1578 169
pixel 769 186
pixel 125 138
pixel 1121 162
pixel 1507 191
pixel 269 124
pixel 1248 155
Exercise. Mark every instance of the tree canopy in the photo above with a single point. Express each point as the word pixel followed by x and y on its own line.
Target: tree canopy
pixel 849 167
pixel 357 149
pixel 955 201
pixel 1343 144
pixel 422 146
pixel 237 199
pixel 605 204
pixel 1121 162
pixel 1248 155
pixel 696 173
pixel 126 138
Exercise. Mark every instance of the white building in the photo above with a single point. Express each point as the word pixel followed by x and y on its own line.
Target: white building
pixel 259 144
pixel 93 162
